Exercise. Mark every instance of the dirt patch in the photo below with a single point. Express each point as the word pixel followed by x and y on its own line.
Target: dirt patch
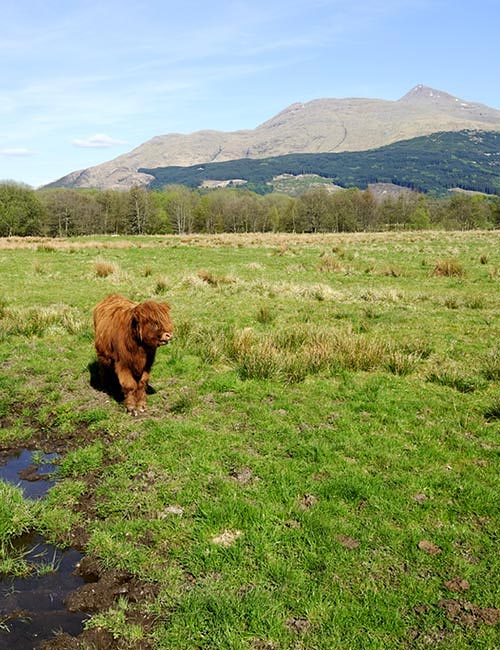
pixel 101 591
pixel 457 584
pixel 298 625
pixel 44 438
pixel 104 587
pixel 347 542
pixel 429 547
pixel 466 613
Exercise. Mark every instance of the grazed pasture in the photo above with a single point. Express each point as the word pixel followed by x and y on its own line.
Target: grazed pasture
pixel 318 467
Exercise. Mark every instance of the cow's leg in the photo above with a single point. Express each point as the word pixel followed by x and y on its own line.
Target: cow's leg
pixel 142 385
pixel 129 387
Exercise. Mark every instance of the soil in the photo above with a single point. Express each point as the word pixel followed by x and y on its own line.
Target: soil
pixel 101 590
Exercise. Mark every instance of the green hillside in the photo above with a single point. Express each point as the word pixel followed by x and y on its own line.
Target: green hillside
pixel 469 160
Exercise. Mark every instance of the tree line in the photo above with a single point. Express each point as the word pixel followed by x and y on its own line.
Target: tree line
pixel 180 210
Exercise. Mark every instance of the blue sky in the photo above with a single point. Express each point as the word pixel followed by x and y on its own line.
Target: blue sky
pixel 84 81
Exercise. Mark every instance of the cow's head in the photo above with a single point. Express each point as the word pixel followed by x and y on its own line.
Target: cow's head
pixel 152 323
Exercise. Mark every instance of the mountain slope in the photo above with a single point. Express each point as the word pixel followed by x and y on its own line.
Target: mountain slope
pixel 319 126
pixel 435 163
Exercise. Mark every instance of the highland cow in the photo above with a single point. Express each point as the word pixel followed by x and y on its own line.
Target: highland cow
pixel 127 335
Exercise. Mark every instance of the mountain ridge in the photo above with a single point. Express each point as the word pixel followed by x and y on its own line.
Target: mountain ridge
pixel 318 126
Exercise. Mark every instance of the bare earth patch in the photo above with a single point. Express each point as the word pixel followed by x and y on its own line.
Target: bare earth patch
pixel 348 542
pixel 429 547
pixel 227 538
pixel 466 613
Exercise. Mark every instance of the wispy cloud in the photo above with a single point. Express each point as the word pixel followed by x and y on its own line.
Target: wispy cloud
pixel 98 141
pixel 18 152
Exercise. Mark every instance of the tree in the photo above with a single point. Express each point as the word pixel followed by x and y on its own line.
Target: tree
pixel 21 212
pixel 179 204
pixel 141 210
pixel 313 210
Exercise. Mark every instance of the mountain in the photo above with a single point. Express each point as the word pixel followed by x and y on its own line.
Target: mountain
pixel 468 160
pixel 318 126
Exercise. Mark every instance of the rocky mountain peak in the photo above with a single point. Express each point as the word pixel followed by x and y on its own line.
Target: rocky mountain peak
pixel 421 93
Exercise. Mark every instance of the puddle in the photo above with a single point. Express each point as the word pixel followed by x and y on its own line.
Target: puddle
pixel 31 471
pixel 32 609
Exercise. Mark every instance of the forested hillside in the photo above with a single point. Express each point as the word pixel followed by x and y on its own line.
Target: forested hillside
pixel 468 160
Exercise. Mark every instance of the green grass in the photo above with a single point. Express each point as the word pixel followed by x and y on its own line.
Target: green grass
pixel 312 422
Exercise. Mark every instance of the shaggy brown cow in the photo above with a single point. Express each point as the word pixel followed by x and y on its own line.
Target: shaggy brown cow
pixel 127 335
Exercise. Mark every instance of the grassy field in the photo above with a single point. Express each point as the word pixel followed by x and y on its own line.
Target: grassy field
pixel 318 466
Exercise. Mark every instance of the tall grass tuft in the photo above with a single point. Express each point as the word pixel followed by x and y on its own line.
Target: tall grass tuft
pixel 491 366
pixel 452 376
pixel 450 267
pixel 401 363
pixel 35 321
pixel 15 515
pixel 161 286
pixel 103 269
pixel 329 263
pixel 293 353
pixel 214 280
pixel 265 315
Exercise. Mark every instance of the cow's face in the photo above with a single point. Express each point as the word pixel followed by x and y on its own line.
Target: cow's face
pixel 153 324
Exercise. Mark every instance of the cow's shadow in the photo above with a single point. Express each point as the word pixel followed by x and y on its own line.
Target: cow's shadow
pixel 105 380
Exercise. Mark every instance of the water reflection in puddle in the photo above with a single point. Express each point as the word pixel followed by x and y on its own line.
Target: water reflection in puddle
pixel 34 478
pixel 32 609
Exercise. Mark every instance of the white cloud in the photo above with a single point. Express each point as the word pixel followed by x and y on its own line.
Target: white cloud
pixel 18 152
pixel 98 141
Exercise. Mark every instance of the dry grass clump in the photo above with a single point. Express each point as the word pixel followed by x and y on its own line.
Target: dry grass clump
pixel 205 341
pixel 329 263
pixel 103 269
pixel 290 353
pixel 450 267
pixel 214 280
pixel 391 272
pixel 403 363
pixel 265 315
pixel 162 285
